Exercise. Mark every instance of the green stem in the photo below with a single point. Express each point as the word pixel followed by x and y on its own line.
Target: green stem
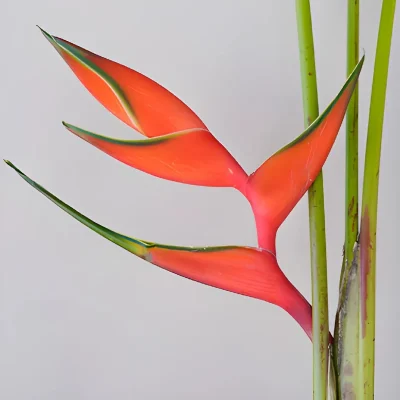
pixel 370 198
pixel 316 210
pixel 346 324
pixel 351 196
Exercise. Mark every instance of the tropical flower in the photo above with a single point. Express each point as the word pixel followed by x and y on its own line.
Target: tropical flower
pixel 179 147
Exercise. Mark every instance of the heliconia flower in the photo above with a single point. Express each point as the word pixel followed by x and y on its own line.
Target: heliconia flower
pixel 200 158
pixel 244 270
pixel 181 148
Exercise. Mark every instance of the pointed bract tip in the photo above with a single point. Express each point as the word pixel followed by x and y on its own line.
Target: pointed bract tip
pixel 49 37
pixel 357 68
pixel 70 127
pixel 10 164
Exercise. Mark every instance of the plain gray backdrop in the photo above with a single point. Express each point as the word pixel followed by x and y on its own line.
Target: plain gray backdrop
pixel 83 319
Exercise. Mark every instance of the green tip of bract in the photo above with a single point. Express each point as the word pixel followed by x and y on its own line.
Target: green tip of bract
pixel 78 131
pixel 20 173
pixel 357 69
pixel 361 62
pixel 49 37
pixel 10 164
pixel 45 34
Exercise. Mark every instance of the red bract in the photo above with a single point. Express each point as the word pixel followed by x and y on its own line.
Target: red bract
pixel 193 156
pixel 243 270
pixel 182 149
pixel 278 184
pixel 132 97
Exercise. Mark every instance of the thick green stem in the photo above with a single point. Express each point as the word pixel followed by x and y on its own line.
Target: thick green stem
pixel 346 326
pixel 370 199
pixel 316 210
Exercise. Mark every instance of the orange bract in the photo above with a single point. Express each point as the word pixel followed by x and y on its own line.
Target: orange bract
pixel 280 182
pixel 192 156
pixel 182 149
pixel 132 97
pixel 247 271
pixel 243 270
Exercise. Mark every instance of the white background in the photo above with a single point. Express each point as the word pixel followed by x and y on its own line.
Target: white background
pixel 83 319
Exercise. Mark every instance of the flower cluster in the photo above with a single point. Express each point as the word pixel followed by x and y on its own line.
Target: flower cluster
pixel 179 147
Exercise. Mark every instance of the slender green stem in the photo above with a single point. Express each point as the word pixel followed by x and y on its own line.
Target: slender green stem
pixel 346 326
pixel 351 202
pixel 370 198
pixel 316 210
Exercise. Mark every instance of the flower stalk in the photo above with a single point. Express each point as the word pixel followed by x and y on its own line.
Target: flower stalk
pixel 370 199
pixel 347 317
pixel 316 210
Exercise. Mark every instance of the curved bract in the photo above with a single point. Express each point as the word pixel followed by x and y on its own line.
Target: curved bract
pixel 280 182
pixel 243 270
pixel 132 97
pixel 193 156
pixel 181 148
